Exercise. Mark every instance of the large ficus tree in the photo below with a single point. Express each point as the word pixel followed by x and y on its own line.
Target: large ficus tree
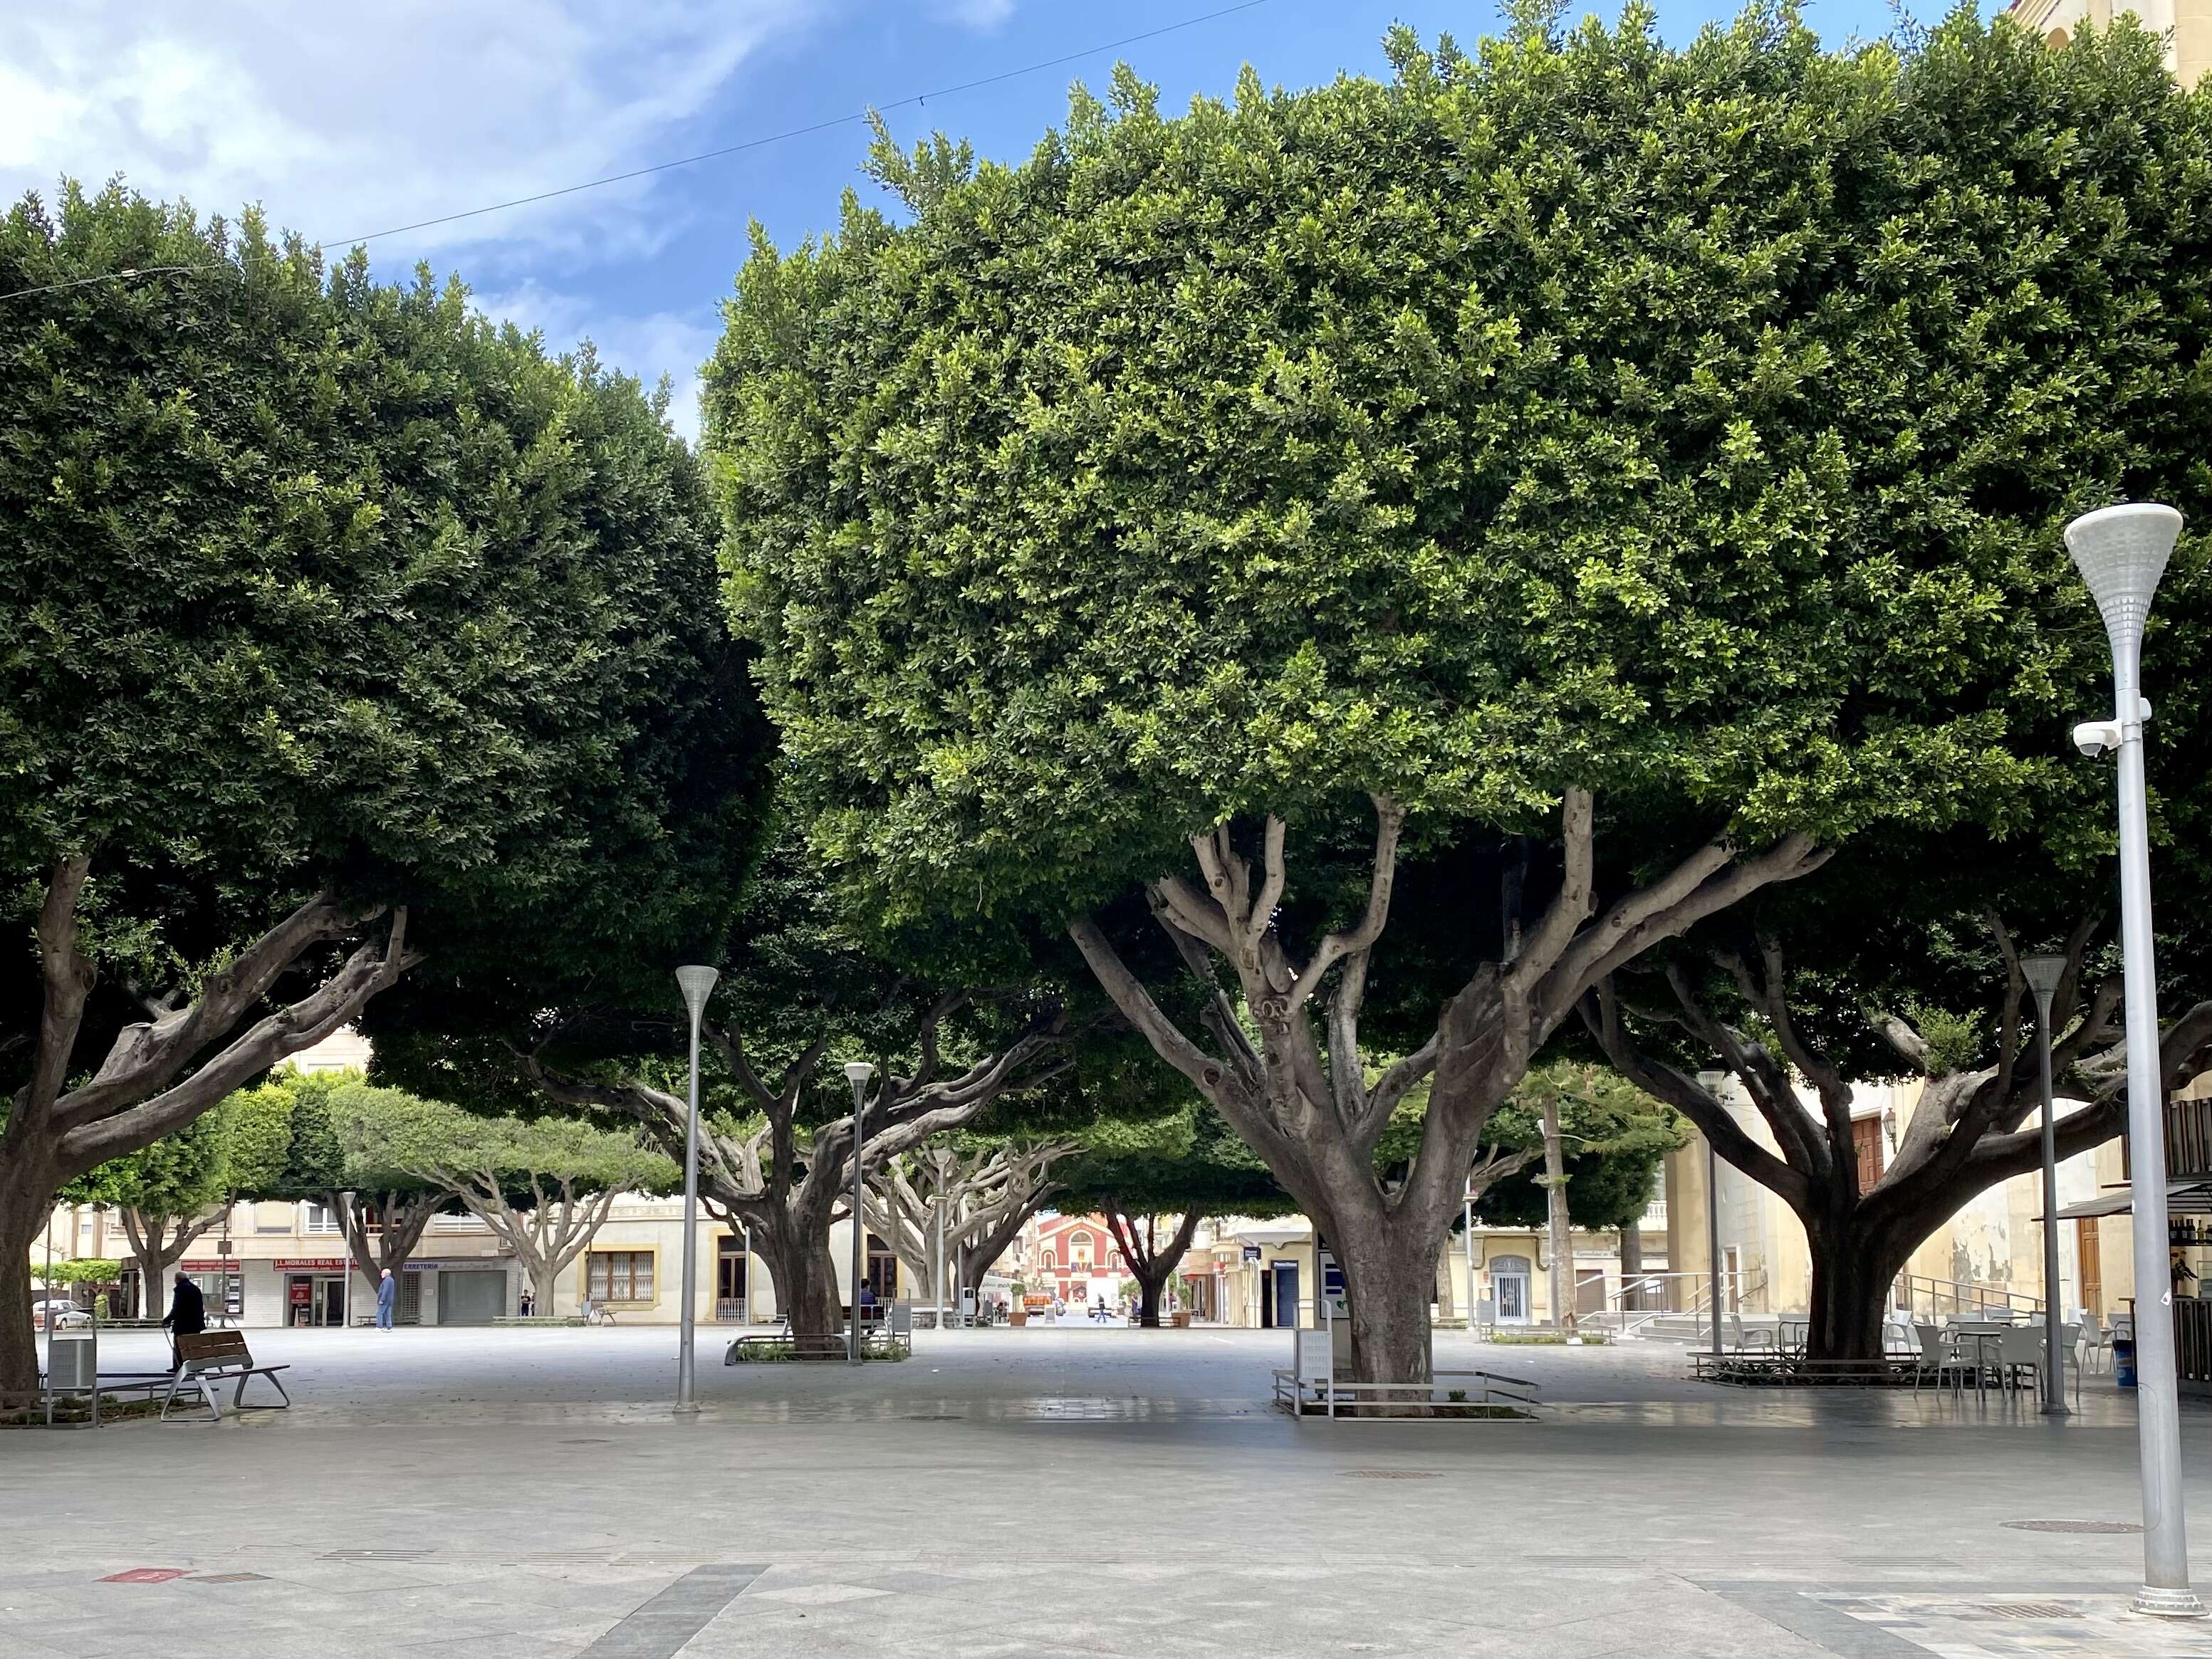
pixel 1874 972
pixel 950 1208
pixel 338 626
pixel 174 1192
pixel 1428 543
pixel 544 1186
pixel 968 1022
pixel 1154 1179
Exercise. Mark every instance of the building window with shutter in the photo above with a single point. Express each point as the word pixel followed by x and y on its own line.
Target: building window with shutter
pixel 619 1276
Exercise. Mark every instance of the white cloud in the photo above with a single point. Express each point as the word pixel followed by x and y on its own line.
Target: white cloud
pixel 348 118
pixel 649 346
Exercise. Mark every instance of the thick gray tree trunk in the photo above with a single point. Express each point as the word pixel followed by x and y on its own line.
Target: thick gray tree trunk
pixel 784 1190
pixel 1966 1133
pixel 1631 1265
pixel 1557 1227
pixel 26 1205
pixel 158 1075
pixel 1284 1066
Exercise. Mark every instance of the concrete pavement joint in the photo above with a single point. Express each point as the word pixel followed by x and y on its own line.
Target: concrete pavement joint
pixel 662 1628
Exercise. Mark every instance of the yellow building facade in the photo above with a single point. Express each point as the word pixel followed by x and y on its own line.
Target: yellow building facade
pixel 2185 24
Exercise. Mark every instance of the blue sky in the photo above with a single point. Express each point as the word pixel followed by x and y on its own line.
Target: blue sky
pixel 342 118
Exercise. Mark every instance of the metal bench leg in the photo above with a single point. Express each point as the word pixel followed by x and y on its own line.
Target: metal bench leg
pixel 237 1396
pixel 199 1386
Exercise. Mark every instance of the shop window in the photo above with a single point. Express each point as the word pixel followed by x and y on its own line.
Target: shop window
pixel 620 1276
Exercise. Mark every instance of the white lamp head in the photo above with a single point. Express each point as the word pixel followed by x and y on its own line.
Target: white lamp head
pixel 2043 975
pixel 698 984
pixel 2121 552
pixel 858 1072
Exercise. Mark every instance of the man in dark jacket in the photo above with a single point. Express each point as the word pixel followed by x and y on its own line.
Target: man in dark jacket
pixel 187 1313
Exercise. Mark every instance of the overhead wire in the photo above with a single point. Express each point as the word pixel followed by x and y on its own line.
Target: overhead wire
pixel 128 273
pixel 918 100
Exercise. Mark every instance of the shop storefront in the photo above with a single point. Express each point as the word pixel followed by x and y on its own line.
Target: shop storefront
pixel 221 1281
pixel 314 1289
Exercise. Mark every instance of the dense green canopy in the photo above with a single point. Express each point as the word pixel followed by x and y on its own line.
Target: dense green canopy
pixel 1694 426
pixel 311 582
pixel 339 628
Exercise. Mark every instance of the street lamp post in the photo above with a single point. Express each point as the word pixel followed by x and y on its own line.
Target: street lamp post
pixel 2044 973
pixel 857 1073
pixel 1467 1246
pixel 937 1278
pixel 698 984
pixel 345 1284
pixel 2121 552
pixel 1713 1238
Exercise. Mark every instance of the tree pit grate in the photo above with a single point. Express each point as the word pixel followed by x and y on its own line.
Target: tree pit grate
pixel 1390 1475
pixel 2108 1527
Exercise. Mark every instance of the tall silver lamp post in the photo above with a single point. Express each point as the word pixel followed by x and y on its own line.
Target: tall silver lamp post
pixel 698 984
pixel 937 1278
pixel 1466 1242
pixel 857 1073
pixel 2121 552
pixel 2044 973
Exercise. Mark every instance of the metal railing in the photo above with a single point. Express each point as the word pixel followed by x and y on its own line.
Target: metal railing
pixel 1742 1288
pixel 1483 1394
pixel 1918 1294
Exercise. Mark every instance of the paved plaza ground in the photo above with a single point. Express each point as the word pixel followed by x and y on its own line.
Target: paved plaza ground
pixel 1064 1491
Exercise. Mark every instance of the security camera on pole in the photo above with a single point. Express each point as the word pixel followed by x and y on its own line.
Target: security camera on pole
pixel 698 984
pixel 857 1073
pixel 2121 552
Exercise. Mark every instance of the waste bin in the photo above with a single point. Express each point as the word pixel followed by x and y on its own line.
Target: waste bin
pixel 2124 1361
pixel 73 1360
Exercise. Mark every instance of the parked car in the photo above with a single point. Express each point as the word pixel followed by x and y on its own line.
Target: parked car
pixel 54 1306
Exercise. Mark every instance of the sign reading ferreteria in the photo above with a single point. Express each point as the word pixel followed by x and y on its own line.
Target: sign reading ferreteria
pixel 331 1264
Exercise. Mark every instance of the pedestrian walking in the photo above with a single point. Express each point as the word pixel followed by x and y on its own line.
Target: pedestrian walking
pixel 387 1299
pixel 187 1315
pixel 529 1301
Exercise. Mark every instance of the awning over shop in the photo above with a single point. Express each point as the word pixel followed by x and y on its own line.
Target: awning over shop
pixel 2182 1198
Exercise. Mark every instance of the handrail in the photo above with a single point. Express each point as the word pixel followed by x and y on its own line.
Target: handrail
pixel 1746 1283
pixel 1336 1397
pixel 1963 1296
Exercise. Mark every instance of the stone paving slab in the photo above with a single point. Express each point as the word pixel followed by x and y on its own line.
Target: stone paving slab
pixel 1077 1492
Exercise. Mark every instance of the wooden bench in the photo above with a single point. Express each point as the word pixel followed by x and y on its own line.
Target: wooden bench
pixel 219 1356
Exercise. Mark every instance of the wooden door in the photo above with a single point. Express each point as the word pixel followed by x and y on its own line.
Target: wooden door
pixel 2088 1248
pixel 1866 1142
